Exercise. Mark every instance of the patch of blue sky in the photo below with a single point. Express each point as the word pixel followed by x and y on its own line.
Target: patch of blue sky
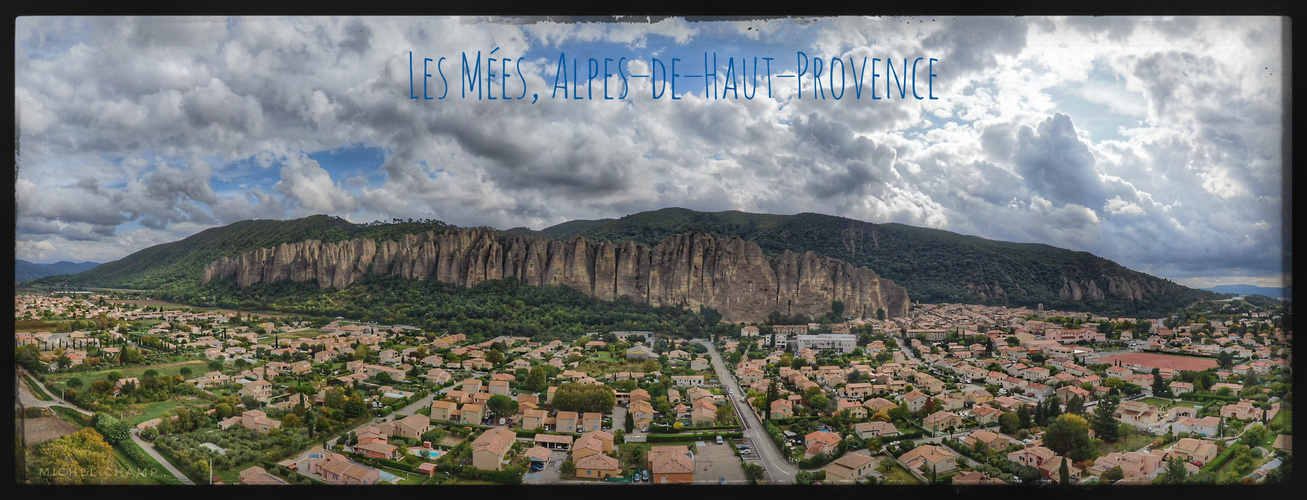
pixel 53 37
pixel 352 161
pixel 1101 104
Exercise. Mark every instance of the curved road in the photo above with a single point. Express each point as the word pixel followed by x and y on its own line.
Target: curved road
pixel 149 449
pixel 779 469
pixel 29 399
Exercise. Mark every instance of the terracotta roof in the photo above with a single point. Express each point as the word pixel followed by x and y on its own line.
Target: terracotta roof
pixel 598 461
pixel 497 440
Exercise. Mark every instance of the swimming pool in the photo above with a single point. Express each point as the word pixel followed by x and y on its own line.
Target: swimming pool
pixel 386 476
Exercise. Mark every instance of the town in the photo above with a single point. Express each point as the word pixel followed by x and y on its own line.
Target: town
pixel 142 392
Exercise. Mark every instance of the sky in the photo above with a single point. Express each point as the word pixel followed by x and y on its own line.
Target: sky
pixel 1153 142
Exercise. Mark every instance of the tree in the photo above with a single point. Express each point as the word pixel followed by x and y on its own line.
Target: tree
pixel 1104 420
pixel 1067 433
pixel 1114 474
pixel 1025 418
pixel 84 452
pixel 535 379
pixel 1009 423
pixel 215 365
pixel 113 430
pixel 1076 405
pixel 1063 474
pixel 501 406
pixel 629 425
pixel 75 383
pixel 1159 386
pixel 1225 359
pixel 1174 473
pixel 584 398
pixel 185 371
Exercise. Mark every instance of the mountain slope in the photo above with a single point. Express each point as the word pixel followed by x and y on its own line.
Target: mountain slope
pixel 181 263
pixel 1275 292
pixel 933 265
pixel 27 271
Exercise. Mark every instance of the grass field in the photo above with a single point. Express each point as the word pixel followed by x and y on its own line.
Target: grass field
pixel 35 390
pixel 151 411
pixel 1284 419
pixel 56 381
pixel 896 474
pixel 1158 402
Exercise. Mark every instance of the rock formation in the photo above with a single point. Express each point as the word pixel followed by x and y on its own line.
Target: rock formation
pixel 730 275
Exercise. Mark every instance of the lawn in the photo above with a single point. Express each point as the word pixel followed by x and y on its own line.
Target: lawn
pixel 896 474
pixel 1133 441
pixel 72 416
pixel 151 411
pixel 1283 419
pixel 35 390
pixel 1158 402
pixel 56 381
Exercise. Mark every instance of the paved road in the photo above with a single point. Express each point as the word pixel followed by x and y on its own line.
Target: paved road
pixel 30 400
pixel 149 449
pixel 779 469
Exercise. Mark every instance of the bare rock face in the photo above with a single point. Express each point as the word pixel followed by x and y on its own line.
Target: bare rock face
pixel 730 275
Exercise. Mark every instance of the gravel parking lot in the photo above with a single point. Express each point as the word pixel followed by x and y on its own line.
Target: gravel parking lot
pixel 713 461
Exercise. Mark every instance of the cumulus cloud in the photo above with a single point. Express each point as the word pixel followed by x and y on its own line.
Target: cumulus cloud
pixel 1153 142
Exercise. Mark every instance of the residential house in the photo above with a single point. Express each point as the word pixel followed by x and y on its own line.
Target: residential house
pixel 1033 456
pixel 258 476
pixel 928 458
pixel 941 420
pixel 781 408
pixel 259 421
pixel 336 469
pixel 868 430
pixel 1193 450
pixel 566 421
pixel 412 426
pixel 442 410
pixel 472 413
pixel 642 412
pixel 671 464
pixel 596 466
pixel 850 467
pixel 591 421
pixel 489 448
pixel 821 443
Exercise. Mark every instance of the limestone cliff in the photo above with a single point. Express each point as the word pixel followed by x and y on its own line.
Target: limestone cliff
pixel 731 275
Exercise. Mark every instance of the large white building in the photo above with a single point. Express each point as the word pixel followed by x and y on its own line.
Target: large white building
pixel 844 343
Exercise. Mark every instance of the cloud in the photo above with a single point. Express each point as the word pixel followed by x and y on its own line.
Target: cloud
pixel 1153 142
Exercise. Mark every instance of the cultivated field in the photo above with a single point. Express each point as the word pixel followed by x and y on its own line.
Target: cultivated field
pixel 48 428
pixel 1152 360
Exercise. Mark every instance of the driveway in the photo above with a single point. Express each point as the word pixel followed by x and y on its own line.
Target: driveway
pixel 549 474
pixel 715 461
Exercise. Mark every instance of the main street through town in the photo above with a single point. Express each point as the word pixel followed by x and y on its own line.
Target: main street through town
pixel 778 468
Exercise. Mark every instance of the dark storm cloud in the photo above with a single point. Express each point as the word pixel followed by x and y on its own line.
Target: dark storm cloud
pixel 1056 163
